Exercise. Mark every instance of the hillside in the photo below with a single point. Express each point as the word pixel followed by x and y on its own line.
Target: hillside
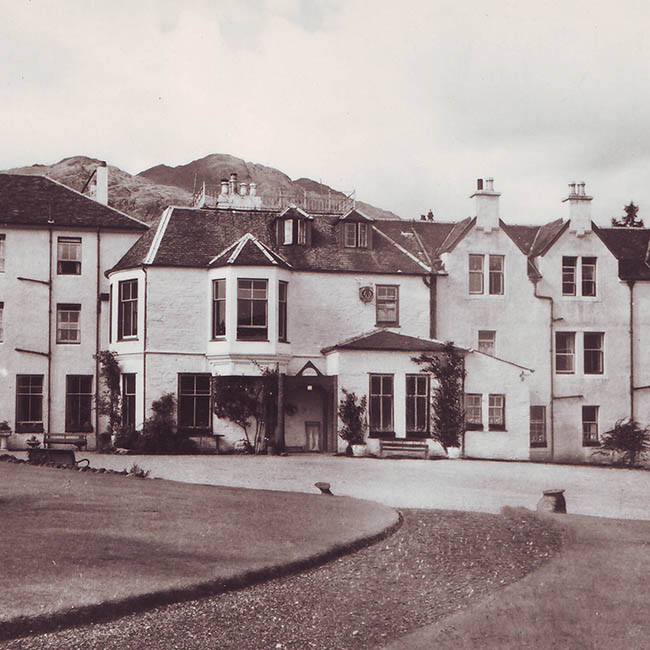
pixel 148 193
pixel 134 195
pixel 270 181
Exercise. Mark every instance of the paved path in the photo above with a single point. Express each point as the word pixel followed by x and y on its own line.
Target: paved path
pixel 484 486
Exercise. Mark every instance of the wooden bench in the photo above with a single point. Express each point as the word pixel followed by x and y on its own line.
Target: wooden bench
pixel 403 447
pixel 77 439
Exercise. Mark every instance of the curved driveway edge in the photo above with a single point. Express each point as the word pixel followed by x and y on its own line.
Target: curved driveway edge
pixel 318 529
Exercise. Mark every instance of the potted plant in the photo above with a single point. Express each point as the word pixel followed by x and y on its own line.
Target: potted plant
pixel 33 442
pixel 353 415
pixel 5 432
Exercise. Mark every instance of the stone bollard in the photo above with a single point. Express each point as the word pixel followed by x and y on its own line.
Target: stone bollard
pixel 552 501
pixel 323 487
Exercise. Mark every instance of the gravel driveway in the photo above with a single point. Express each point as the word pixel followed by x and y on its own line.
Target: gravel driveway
pixel 473 485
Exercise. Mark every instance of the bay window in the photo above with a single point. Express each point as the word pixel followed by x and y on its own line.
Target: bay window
pixel 252 310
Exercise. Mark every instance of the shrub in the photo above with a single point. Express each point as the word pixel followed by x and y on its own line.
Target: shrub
pixel 138 472
pixel 628 439
pixel 448 369
pixel 353 416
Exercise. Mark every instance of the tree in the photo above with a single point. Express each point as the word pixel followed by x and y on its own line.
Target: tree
pixel 630 219
pixel 247 400
pixel 353 416
pixel 627 438
pixel 448 369
pixel 109 401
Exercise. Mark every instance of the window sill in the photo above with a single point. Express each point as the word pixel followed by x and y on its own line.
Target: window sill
pixel 253 340
pixel 381 434
pixel 29 428
pixel 395 324
pixel 125 339
pixel 68 342
pixel 219 339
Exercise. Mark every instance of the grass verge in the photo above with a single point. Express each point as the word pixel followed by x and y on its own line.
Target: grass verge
pixel 594 594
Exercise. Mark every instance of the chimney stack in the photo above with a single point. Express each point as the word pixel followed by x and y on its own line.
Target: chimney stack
pixel 487 205
pixel 233 184
pixel 101 184
pixel 224 186
pixel 579 209
pixel 242 189
pixel 252 189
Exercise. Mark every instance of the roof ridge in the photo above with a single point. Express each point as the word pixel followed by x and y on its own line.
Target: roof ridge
pixel 399 247
pixel 158 237
pixel 87 198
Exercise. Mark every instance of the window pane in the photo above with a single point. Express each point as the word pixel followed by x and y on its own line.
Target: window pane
pixel 288 231
pixel 476 263
pixel 350 235
pixel 569 276
pixel 363 235
pixel 588 276
pixel 387 385
pixel 259 312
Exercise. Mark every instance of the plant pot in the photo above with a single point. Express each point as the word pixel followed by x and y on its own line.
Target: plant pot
pixel 359 451
pixel 453 453
pixel 3 439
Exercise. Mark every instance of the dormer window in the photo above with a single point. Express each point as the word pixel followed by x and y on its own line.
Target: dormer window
pixel 355 235
pixel 293 227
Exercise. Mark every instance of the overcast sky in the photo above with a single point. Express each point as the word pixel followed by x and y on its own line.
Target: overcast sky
pixel 407 102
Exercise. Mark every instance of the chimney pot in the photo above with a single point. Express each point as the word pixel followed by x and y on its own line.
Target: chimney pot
pixel 479 184
pixel 252 189
pixel 224 186
pixel 242 189
pixel 490 184
pixel 101 184
pixel 572 188
pixel 487 205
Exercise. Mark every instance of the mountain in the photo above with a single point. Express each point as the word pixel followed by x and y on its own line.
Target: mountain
pixel 148 193
pixel 136 196
pixel 270 181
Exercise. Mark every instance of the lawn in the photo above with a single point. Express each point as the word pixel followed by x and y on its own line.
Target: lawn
pixel 74 539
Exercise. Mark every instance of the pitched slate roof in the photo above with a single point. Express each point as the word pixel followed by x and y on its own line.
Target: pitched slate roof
pixel 630 246
pixel 387 340
pixel 39 201
pixel 248 251
pixel 194 237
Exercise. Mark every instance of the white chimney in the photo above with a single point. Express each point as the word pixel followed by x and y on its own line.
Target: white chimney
pixel 242 189
pixel 101 184
pixel 579 209
pixel 252 189
pixel 224 186
pixel 233 184
pixel 487 205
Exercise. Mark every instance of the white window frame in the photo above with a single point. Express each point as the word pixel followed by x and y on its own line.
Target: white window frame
pixel 476 271
pixel 538 426
pixel 487 339
pixel 497 273
pixel 568 352
pixel 590 429
pixel 2 313
pixel 497 412
pixel 259 332
pixel 3 249
pixel 129 304
pixel 474 408
pixel 288 232
pixel 419 400
pixel 68 251
pixel 302 232
pixel 387 295
pixel 580 272
pixel 68 319
pixel 384 425
pixel 598 352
